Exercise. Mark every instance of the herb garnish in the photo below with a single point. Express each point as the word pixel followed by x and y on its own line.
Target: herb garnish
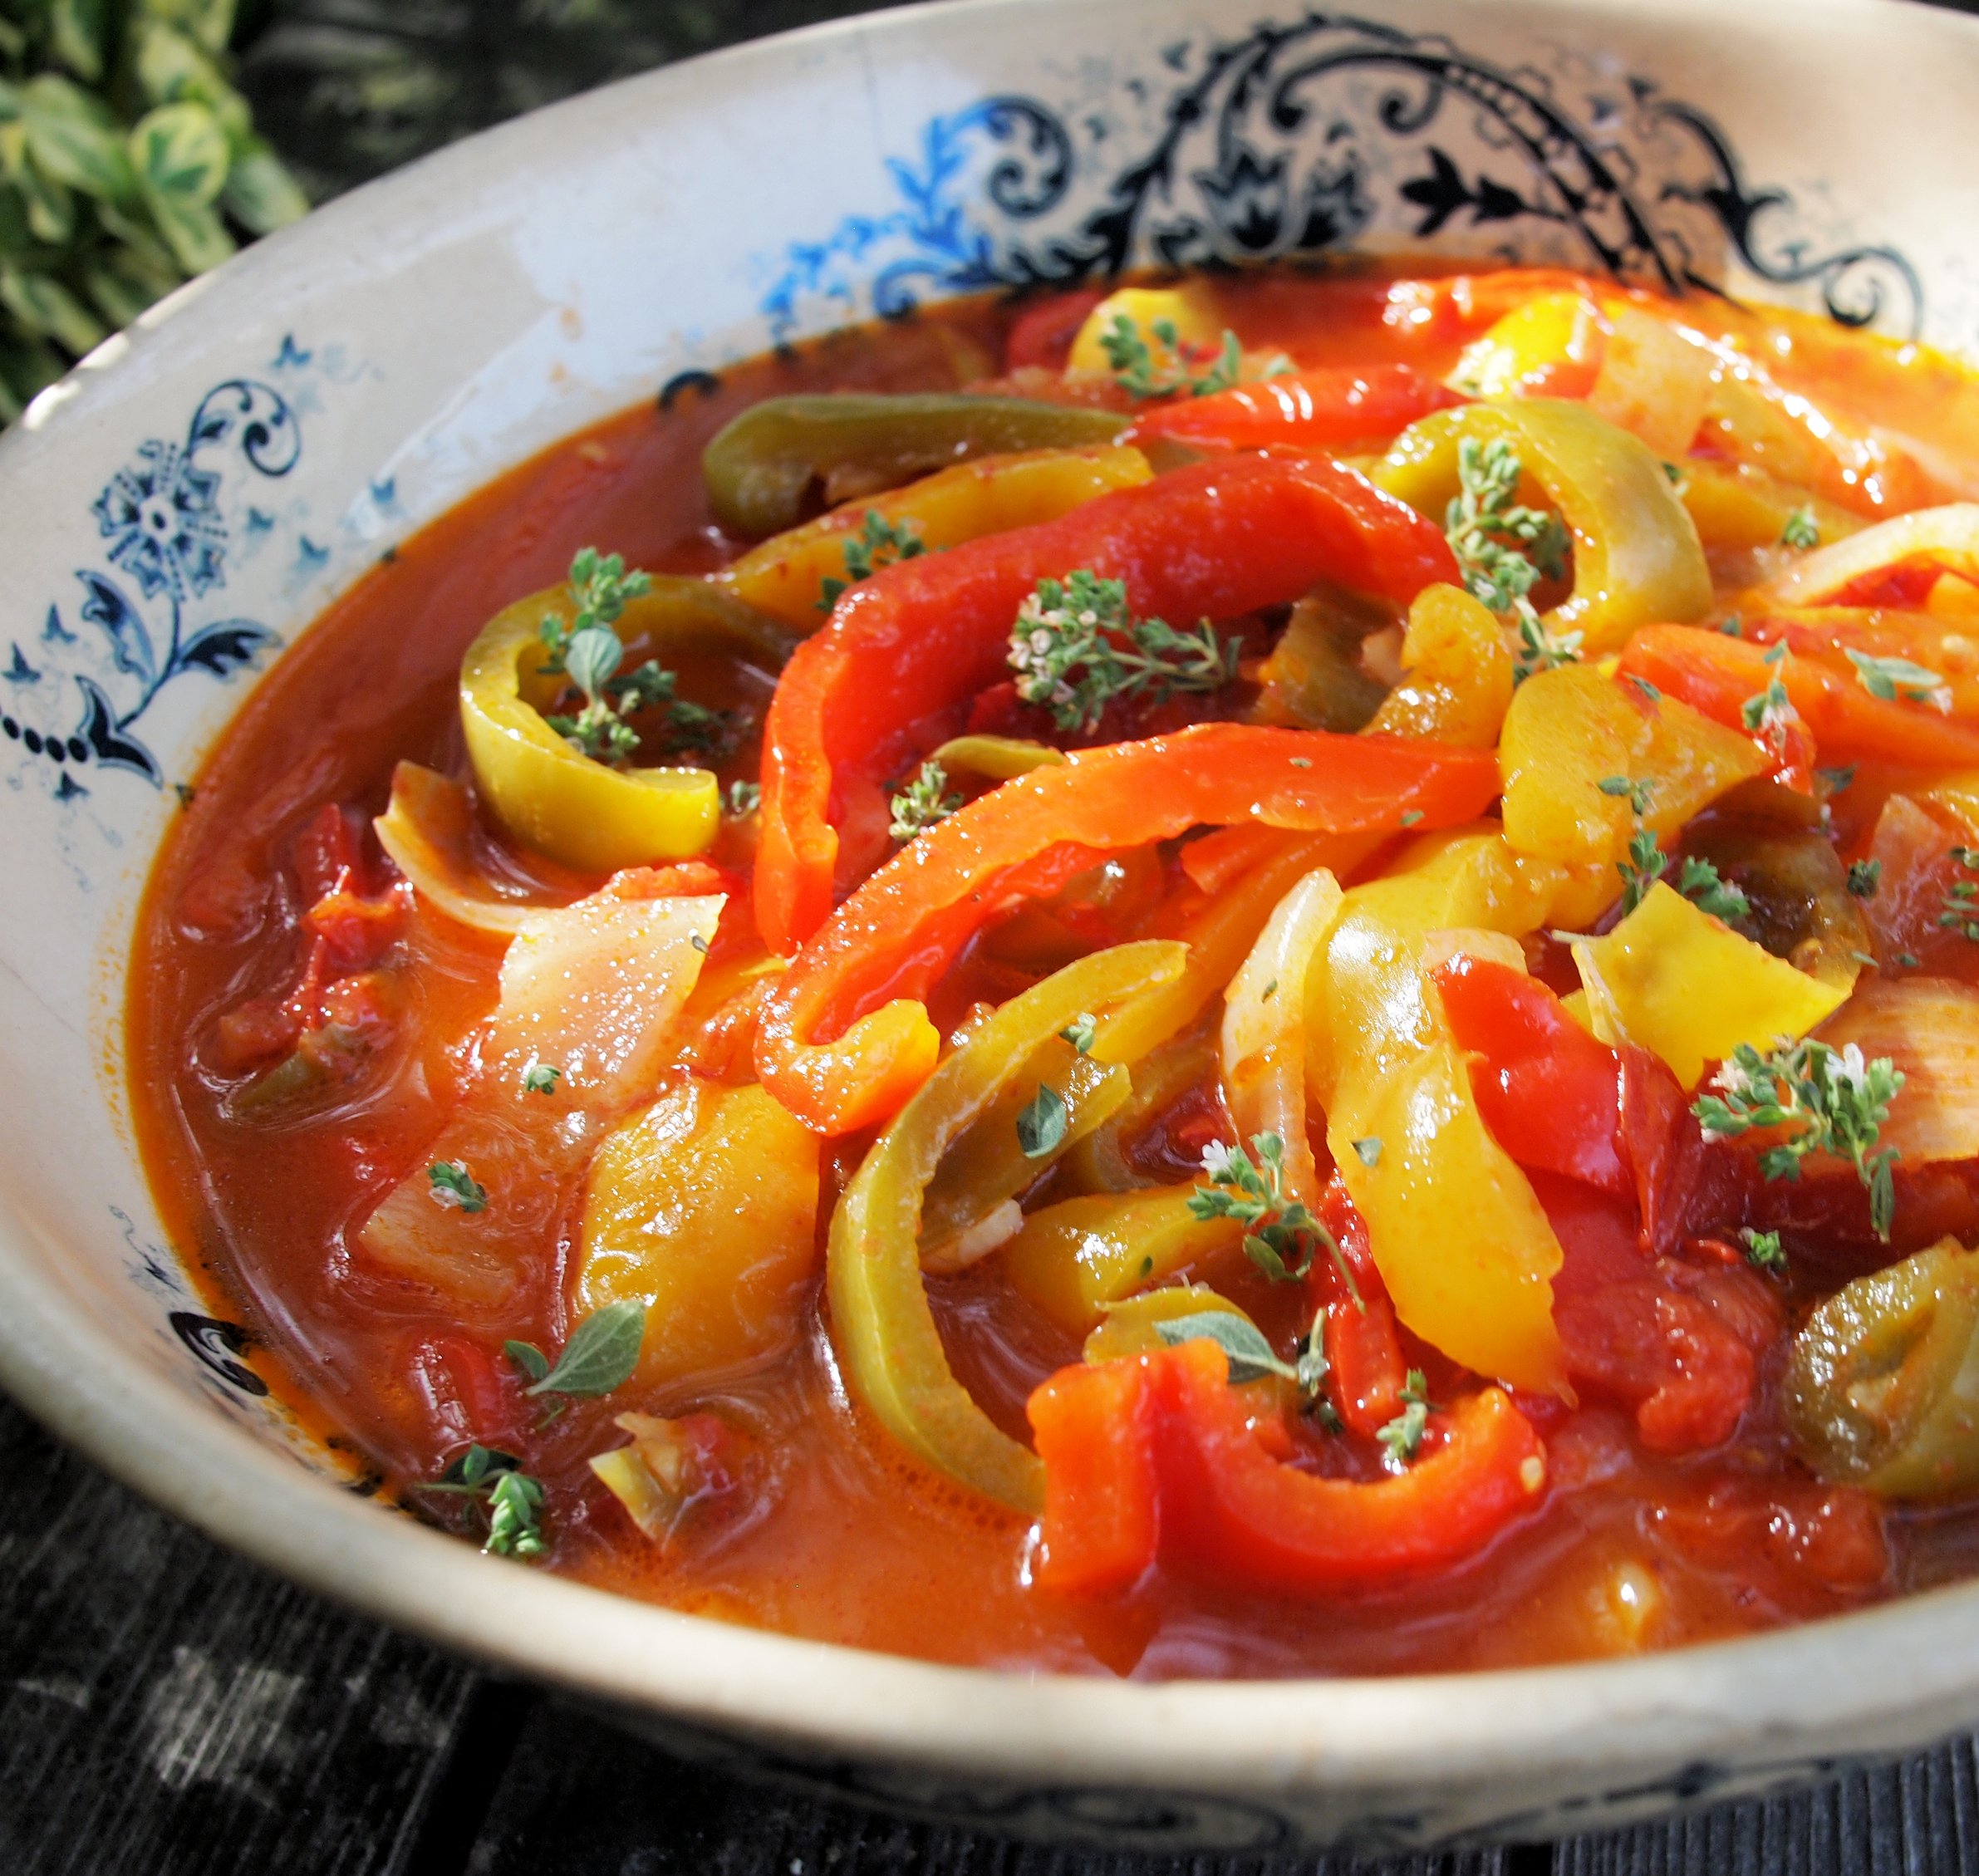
pixel 586 649
pixel 922 802
pixel 600 1356
pixel 1801 529
pixel 454 1184
pixel 1251 1357
pixel 1131 360
pixel 881 542
pixel 1281 1235
pixel 1367 1151
pixel 1864 876
pixel 1075 648
pixel 513 1500
pixel 1833 1100
pixel 742 797
pixel 1769 714
pixel 1894 679
pixel 1503 548
pixel 1961 901
pixel 1041 1122
pixel 539 1077
pixel 1401 1438
pixel 1643 867
pixel 1762 1249
pixel 1081 1031
pixel 1699 882
pixel 1638 792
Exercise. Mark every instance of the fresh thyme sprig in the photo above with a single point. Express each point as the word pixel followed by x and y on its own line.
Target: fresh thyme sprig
pixel 513 1500
pixel 881 542
pixel 451 1184
pixel 1699 882
pixel 1252 1359
pixel 1280 1236
pixel 588 650
pixel 1138 372
pixel 1762 1249
pixel 1644 866
pixel 1898 678
pixel 1831 1100
pixel 1401 1438
pixel 1503 548
pixel 922 802
pixel 1801 529
pixel 539 1077
pixel 600 1356
pixel 1772 710
pixel 1961 913
pixel 1076 648
pixel 742 798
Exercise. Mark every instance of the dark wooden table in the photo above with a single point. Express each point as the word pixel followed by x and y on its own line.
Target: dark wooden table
pixel 166 1707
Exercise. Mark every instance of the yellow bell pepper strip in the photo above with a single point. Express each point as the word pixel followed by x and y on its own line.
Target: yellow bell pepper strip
pixel 1000 759
pixel 1170 1070
pixel 1128 1326
pixel 562 803
pixel 1573 728
pixel 1737 506
pixel 1551 346
pixel 1075 1258
pixel 1456 674
pixel 1191 310
pixel 842 1040
pixel 427 831
pixel 970 1206
pixel 785 577
pixel 1637 558
pixel 882 1322
pixel 1160 1459
pixel 1718 676
pixel 1263 1041
pixel 924 637
pixel 1882 1384
pixel 761 467
pixel 1855 571
pixel 1461 1242
pixel 1672 980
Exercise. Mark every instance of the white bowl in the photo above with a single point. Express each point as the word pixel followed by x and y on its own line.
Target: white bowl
pixel 194 494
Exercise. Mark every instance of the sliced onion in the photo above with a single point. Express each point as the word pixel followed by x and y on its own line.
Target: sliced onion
pixel 428 832
pixel 1264 1027
pixel 1929 1028
pixel 1948 536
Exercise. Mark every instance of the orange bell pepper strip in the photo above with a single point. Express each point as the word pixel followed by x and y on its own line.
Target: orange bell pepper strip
pixel 1322 408
pixel 842 1042
pixel 1157 1459
pixel 1716 675
pixel 1215 540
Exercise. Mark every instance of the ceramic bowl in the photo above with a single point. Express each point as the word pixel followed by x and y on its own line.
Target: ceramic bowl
pixel 179 508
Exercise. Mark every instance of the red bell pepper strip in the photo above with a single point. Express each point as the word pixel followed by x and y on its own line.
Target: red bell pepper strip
pixel 1550 1093
pixel 1322 408
pixel 1717 675
pixel 1363 1351
pixel 1214 541
pixel 835 1059
pixel 1156 1459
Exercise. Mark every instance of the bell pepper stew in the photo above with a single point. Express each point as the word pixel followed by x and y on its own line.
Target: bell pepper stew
pixel 1267 977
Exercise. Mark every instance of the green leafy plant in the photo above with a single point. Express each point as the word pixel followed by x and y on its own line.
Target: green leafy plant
pixel 1504 548
pixel 128 164
pixel 511 1498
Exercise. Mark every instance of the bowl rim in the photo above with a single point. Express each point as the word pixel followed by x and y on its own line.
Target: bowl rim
pixel 1784 1698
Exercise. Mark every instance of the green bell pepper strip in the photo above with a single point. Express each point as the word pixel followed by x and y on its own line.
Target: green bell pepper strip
pixel 882 1321
pixel 989 1166
pixel 1882 1384
pixel 1637 558
pixel 760 466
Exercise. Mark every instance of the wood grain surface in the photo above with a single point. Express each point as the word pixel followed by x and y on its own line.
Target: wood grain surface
pixel 167 1709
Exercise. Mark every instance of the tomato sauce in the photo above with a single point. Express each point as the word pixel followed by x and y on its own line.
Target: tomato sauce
pixel 830 1530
